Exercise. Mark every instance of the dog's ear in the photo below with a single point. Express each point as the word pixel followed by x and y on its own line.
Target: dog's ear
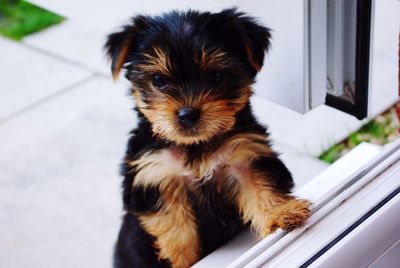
pixel 120 44
pixel 256 39
pixel 117 47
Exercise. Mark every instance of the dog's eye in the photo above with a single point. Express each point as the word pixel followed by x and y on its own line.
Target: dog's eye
pixel 216 76
pixel 159 81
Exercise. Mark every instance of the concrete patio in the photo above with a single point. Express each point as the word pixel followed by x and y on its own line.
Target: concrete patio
pixel 63 129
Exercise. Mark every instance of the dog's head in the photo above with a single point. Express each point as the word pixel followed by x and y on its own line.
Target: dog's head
pixel 191 72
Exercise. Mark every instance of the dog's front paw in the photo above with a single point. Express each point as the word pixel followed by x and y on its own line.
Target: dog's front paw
pixel 293 214
pixel 287 216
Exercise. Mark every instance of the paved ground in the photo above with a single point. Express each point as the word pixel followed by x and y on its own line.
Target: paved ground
pixel 63 130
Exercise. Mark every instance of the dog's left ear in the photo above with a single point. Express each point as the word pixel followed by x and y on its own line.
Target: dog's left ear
pixel 256 39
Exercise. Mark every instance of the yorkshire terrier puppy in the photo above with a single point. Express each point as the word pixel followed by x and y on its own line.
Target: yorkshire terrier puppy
pixel 198 168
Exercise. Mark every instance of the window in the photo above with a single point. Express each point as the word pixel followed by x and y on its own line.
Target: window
pixel 325 52
pixel 348 54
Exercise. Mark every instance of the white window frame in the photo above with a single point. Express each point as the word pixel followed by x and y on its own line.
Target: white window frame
pixel 294 73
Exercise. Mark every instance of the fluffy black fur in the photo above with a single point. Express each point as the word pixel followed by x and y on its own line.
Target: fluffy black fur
pixel 181 33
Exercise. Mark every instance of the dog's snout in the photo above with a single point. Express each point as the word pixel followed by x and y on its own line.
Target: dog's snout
pixel 188 116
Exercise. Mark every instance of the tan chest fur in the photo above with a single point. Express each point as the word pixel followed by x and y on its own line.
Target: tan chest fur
pixel 232 158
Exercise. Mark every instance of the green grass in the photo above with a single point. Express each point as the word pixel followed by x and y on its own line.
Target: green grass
pixel 380 130
pixel 19 19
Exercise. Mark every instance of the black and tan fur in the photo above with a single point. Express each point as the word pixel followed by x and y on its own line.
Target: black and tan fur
pixel 189 188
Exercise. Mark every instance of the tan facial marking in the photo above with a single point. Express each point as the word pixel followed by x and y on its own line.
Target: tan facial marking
pixel 213 59
pixel 217 115
pixel 157 62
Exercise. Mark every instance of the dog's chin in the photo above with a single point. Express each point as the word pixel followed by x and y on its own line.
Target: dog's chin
pixel 198 134
pixel 186 137
pixel 189 137
pixel 189 132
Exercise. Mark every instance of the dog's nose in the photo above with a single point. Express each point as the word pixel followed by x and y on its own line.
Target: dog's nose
pixel 188 116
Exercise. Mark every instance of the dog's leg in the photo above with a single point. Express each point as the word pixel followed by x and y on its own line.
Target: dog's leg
pixel 173 224
pixel 134 246
pixel 263 184
pixel 174 227
pixel 266 206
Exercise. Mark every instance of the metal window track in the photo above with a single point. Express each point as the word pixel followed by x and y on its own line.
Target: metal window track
pixel 351 228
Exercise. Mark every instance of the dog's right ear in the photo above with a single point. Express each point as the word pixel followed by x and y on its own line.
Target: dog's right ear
pixel 120 44
pixel 117 47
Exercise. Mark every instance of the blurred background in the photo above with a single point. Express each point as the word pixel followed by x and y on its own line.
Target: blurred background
pixel 64 124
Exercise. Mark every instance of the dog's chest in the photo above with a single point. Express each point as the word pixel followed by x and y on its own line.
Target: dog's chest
pixel 198 168
pixel 231 159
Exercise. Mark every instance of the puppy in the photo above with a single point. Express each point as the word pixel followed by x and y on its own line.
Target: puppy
pixel 198 168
